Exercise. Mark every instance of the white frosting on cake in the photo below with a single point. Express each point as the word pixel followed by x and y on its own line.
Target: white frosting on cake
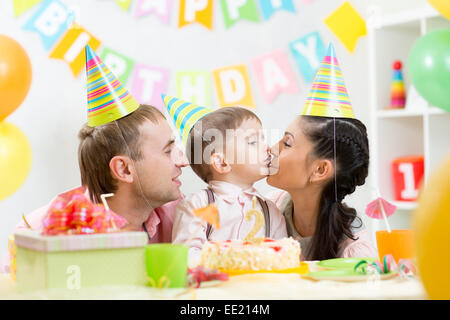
pixel 239 255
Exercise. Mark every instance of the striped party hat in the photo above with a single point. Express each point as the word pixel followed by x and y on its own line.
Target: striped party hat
pixel 328 96
pixel 184 114
pixel 108 99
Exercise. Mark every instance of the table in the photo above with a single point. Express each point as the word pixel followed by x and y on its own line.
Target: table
pixel 261 286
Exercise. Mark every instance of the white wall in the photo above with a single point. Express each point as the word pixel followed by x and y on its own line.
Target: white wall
pixel 55 107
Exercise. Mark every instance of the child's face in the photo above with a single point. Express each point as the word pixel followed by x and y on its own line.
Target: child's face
pixel 247 153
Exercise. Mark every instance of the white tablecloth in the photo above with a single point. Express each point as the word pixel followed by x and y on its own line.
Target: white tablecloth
pixel 243 287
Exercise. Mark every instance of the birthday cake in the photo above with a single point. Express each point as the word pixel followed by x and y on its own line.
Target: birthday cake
pixel 267 254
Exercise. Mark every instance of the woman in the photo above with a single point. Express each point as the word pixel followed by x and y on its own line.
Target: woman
pixel 303 165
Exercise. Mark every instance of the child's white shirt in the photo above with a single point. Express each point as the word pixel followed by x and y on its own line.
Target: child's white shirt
pixel 233 202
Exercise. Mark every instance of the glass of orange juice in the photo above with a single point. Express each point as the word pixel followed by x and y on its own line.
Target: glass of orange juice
pixel 399 243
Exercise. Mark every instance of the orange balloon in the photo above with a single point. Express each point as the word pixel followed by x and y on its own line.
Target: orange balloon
pixel 15 75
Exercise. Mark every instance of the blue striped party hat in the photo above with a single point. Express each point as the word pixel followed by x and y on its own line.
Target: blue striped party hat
pixel 184 114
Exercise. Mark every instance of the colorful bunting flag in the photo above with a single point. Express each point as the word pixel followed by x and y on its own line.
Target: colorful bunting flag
pixel 194 86
pixel 148 83
pixel 124 4
pixel 235 10
pixel 160 8
pixel 347 25
pixel 269 7
pixel 20 6
pixel 200 11
pixel 233 86
pixel 308 51
pixel 274 75
pixel 51 20
pixel 71 47
pixel 119 64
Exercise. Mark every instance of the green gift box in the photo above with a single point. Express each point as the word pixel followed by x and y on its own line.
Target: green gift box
pixel 78 261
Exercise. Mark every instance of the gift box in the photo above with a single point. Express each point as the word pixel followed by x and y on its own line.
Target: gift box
pixel 78 261
pixel 407 174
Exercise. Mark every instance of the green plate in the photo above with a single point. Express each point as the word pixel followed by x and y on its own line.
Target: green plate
pixel 342 263
pixel 344 275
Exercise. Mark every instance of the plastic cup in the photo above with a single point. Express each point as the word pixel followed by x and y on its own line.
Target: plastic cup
pixel 166 264
pixel 399 243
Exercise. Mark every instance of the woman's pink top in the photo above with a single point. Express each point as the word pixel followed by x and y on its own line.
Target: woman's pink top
pixel 361 247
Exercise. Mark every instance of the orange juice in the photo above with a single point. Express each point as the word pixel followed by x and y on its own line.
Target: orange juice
pixel 399 243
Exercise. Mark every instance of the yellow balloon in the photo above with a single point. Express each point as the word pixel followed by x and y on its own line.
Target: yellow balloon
pixel 431 226
pixel 15 159
pixel 443 6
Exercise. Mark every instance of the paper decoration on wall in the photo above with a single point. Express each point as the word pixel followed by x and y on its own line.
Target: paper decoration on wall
pixel 194 86
pixel 200 11
pixel 274 75
pixel 443 6
pixel 233 86
pixel 268 7
pixel 235 10
pixel 347 25
pixel 20 6
pixel 124 4
pixel 71 47
pixel 308 51
pixel 160 8
pixel 51 20
pixel 119 64
pixel 148 83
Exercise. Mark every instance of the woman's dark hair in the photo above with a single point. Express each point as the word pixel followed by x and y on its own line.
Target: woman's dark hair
pixel 335 219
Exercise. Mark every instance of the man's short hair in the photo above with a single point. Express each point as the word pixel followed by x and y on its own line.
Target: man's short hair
pixel 221 120
pixel 98 145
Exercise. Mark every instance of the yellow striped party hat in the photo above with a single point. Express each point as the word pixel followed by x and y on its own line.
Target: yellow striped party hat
pixel 108 99
pixel 328 96
pixel 184 114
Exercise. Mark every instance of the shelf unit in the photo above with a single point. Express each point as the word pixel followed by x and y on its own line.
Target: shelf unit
pixel 418 130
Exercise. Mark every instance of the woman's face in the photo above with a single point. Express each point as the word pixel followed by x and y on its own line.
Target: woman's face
pixel 290 166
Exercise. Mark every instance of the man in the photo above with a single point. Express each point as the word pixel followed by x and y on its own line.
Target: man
pixel 129 150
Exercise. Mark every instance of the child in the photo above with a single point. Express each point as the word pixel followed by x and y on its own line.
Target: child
pixel 226 149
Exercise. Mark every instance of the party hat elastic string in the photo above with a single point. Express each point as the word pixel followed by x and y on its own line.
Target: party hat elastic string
pixel 335 162
pixel 134 164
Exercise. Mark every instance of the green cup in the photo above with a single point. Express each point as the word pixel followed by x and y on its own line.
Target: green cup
pixel 166 265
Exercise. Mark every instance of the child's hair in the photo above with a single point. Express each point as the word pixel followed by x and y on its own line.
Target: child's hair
pixel 98 145
pixel 335 218
pixel 221 120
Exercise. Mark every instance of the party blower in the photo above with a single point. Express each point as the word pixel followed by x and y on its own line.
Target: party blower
pixel 398 243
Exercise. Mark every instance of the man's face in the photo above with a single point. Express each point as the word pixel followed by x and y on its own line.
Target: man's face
pixel 160 167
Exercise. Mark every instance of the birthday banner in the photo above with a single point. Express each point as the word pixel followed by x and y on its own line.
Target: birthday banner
pixel 159 8
pixel 194 86
pixel 233 86
pixel 192 11
pixel 274 75
pixel 148 83
pixel 65 39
